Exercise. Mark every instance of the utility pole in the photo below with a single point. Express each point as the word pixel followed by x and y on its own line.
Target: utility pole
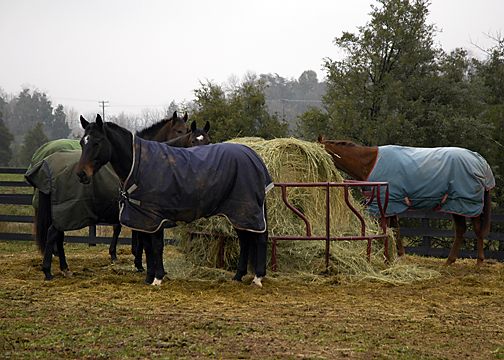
pixel 103 105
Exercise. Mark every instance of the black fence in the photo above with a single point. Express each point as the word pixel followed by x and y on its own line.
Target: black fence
pixel 426 231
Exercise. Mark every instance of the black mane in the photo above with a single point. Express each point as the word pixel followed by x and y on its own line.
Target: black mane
pixel 153 128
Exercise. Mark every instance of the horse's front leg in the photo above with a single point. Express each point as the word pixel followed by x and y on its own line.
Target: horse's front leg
pixel 460 226
pixel 113 243
pixel 477 225
pixel 137 250
pixel 157 249
pixel 149 256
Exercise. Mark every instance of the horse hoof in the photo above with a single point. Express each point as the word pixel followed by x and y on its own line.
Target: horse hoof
pixel 157 282
pixel 256 282
pixel 67 273
pixel 49 278
pixel 399 259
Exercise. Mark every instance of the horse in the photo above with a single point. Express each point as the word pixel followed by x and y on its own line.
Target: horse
pixel 195 137
pixel 49 238
pixel 161 183
pixel 410 171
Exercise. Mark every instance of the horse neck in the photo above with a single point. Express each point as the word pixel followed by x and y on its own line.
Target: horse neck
pixel 181 141
pixel 356 161
pixel 121 142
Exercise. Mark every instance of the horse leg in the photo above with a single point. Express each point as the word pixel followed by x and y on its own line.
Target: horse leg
pixel 137 250
pixel 53 236
pixel 157 249
pixel 478 230
pixel 60 237
pixel 149 255
pixel 259 244
pixel 393 221
pixel 460 226
pixel 113 243
pixel 241 270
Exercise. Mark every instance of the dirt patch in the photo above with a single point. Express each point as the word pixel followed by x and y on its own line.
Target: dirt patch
pixel 103 311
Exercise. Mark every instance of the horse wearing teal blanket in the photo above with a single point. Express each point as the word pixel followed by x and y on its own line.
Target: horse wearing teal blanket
pixel 448 179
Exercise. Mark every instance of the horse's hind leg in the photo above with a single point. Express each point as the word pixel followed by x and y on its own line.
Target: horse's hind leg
pixel 113 243
pixel 477 225
pixel 62 257
pixel 259 245
pixel 460 226
pixel 241 270
pixel 54 238
pixel 393 221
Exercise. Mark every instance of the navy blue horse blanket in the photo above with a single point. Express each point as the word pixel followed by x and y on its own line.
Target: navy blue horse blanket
pixel 178 184
pixel 447 179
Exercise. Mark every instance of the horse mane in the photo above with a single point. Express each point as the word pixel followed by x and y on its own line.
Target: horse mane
pixel 153 128
pixel 341 142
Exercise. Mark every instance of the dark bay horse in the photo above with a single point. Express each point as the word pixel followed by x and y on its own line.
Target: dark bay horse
pixel 162 183
pixel 195 137
pixel 48 236
pixel 457 181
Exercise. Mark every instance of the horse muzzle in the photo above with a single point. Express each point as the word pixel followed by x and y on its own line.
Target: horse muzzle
pixel 83 177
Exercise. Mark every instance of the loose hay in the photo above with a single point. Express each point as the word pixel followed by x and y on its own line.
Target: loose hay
pixel 297 161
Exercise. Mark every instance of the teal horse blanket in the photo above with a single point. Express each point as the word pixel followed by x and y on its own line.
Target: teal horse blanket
pixel 447 179
pixel 76 205
pixel 178 184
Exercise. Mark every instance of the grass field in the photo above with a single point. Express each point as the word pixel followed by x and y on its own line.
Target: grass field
pixel 104 312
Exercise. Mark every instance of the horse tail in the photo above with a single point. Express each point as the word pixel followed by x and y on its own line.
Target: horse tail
pixel 487 209
pixel 43 220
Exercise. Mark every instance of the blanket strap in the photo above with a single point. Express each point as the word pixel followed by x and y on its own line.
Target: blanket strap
pixel 124 195
pixel 407 201
pixel 444 198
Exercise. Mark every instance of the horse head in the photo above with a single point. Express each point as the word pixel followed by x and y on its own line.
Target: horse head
pixel 96 149
pixel 199 136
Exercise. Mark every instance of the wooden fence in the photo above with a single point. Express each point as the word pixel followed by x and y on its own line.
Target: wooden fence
pixel 426 230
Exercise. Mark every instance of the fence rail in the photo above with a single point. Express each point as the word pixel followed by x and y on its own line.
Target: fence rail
pixel 426 230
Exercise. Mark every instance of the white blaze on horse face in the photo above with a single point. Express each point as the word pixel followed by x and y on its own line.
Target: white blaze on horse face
pixel 86 139
pixel 200 137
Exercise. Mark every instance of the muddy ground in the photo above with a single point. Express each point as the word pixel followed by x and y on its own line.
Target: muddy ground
pixel 104 312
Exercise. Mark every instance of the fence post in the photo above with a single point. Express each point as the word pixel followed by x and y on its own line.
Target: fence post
pixel 426 226
pixel 92 234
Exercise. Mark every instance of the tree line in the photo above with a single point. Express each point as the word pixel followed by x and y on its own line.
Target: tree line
pixel 394 85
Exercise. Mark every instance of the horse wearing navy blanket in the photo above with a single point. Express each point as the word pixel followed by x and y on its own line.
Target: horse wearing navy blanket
pixel 447 179
pixel 161 183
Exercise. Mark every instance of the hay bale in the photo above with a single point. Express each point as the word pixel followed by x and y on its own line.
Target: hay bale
pixel 291 160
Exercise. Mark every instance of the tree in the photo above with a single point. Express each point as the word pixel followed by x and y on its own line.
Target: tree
pixel 6 138
pixel 28 110
pixel 242 112
pixel 33 139
pixel 374 95
pixel 58 128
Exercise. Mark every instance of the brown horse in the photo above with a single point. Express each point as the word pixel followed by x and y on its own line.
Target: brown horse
pixel 359 162
pixel 196 137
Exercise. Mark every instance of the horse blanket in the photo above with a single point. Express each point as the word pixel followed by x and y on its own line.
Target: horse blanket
pixel 447 179
pixel 47 149
pixel 76 205
pixel 178 184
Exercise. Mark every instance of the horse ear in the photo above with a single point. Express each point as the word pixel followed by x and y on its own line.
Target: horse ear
pixel 99 121
pixel 174 116
pixel 193 126
pixel 84 122
pixel 319 139
pixel 185 117
pixel 207 127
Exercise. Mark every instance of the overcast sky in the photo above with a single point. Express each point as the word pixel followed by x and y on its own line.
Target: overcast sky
pixel 144 54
